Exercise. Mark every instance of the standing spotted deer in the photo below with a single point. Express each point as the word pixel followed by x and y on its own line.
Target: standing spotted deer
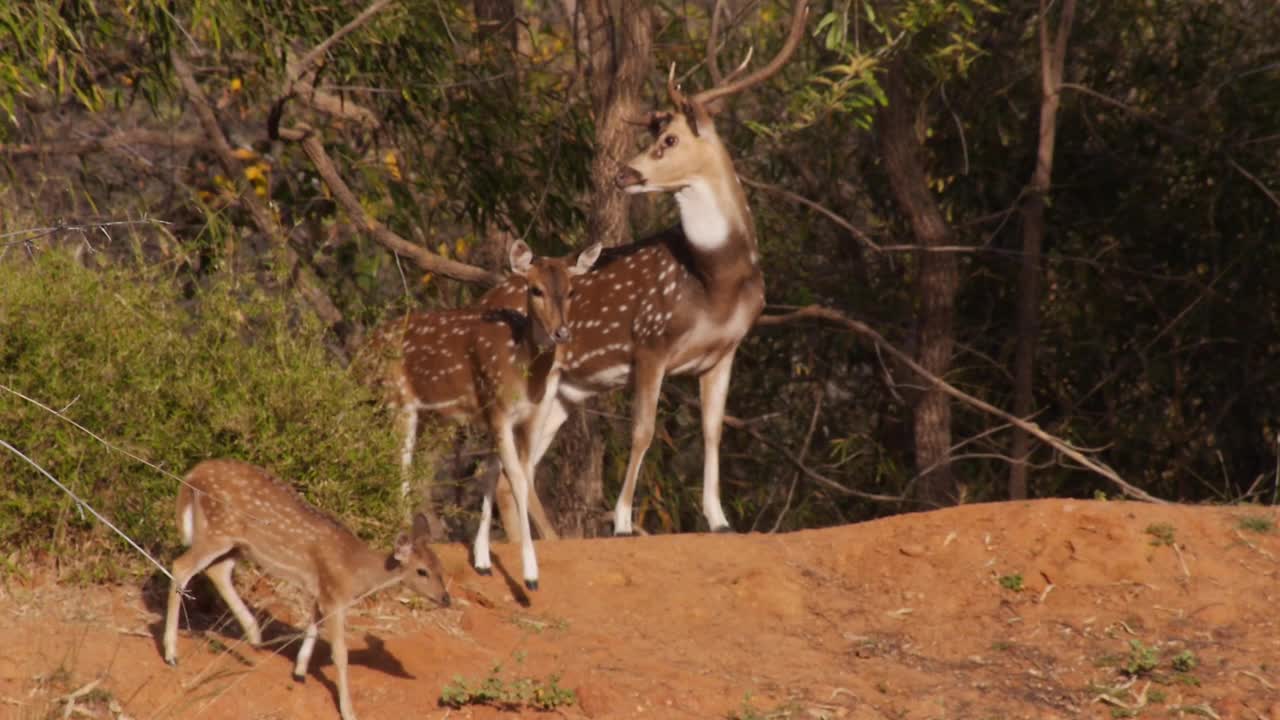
pixel 678 303
pixel 500 364
pixel 227 507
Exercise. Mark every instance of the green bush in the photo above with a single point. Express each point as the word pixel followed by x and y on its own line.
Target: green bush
pixel 175 375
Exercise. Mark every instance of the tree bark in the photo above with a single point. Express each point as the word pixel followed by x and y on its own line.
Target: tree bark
pixel 620 38
pixel 1052 56
pixel 619 41
pixel 936 286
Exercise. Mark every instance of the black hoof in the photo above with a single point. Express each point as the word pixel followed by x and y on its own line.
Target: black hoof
pixel 299 678
pixel 484 571
pixel 171 662
pixel 629 533
pixel 723 530
pixel 531 584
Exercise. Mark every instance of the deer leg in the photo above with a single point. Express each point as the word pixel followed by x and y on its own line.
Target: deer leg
pixel 338 645
pixel 303 660
pixel 554 416
pixel 408 425
pixel 408 422
pixel 644 413
pixel 512 466
pixel 480 549
pixel 185 567
pixel 220 574
pixel 714 385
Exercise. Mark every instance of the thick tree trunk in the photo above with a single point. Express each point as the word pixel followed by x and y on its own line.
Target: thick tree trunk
pixel 620 38
pixel 1052 57
pixel 937 283
pixel 619 41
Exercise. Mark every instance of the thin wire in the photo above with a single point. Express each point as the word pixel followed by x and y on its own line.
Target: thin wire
pixel 86 506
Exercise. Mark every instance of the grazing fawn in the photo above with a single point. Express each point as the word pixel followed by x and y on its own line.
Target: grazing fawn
pixel 678 303
pixel 501 364
pixel 225 506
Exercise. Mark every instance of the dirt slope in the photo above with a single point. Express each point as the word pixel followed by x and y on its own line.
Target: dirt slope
pixel 898 618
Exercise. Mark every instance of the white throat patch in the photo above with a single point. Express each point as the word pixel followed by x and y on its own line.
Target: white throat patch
pixel 704 220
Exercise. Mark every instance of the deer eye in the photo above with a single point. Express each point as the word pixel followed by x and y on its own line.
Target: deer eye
pixel 422 572
pixel 535 291
pixel 670 140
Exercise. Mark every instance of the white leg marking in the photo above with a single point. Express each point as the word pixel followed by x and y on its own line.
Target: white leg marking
pixel 304 651
pixel 409 420
pixel 480 550
pixel 715 392
pixel 188 530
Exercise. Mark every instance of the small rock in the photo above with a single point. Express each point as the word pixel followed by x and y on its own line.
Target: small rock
pixel 912 550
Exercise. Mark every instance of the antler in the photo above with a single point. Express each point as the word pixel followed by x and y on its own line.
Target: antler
pixel 673 89
pixel 799 13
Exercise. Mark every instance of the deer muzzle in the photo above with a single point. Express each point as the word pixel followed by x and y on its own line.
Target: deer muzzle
pixel 628 177
pixel 561 335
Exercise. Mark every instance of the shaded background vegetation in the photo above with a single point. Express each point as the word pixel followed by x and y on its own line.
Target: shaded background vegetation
pixel 187 329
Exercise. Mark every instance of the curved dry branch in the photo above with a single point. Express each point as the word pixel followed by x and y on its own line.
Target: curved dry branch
pixel 818 312
pixel 420 256
pixel 308 284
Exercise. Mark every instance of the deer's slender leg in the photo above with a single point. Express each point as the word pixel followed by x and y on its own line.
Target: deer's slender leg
pixel 408 422
pixel 644 413
pixel 338 644
pixel 303 660
pixel 714 385
pixel 514 469
pixel 480 549
pixel 185 567
pixel 556 416
pixel 220 574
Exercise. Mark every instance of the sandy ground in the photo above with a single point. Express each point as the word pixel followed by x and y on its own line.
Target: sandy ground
pixel 917 616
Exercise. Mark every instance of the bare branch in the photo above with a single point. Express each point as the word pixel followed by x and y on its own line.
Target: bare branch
pixel 308 284
pixel 309 60
pixel 138 136
pixel 834 316
pixel 858 233
pixel 1249 176
pixel 423 258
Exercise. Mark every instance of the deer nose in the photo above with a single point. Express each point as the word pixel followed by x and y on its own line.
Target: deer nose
pixel 561 335
pixel 446 601
pixel 627 177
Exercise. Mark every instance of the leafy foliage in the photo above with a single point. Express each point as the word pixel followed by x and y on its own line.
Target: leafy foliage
pixel 173 375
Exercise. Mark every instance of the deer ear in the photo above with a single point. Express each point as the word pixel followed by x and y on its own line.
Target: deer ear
pixel 420 526
pixel 586 259
pixel 404 548
pixel 521 258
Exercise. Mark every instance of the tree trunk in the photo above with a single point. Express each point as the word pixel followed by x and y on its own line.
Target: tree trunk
pixel 1052 57
pixel 620 39
pixel 937 283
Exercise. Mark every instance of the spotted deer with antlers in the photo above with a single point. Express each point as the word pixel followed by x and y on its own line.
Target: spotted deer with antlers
pixel 678 303
pixel 499 364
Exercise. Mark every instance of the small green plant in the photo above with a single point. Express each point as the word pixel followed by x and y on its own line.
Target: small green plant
pixel 1142 659
pixel 1256 524
pixel 1185 661
pixel 1001 645
pixel 1161 533
pixel 748 711
pixel 1123 712
pixel 1011 582
pixel 1157 696
pixel 505 693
